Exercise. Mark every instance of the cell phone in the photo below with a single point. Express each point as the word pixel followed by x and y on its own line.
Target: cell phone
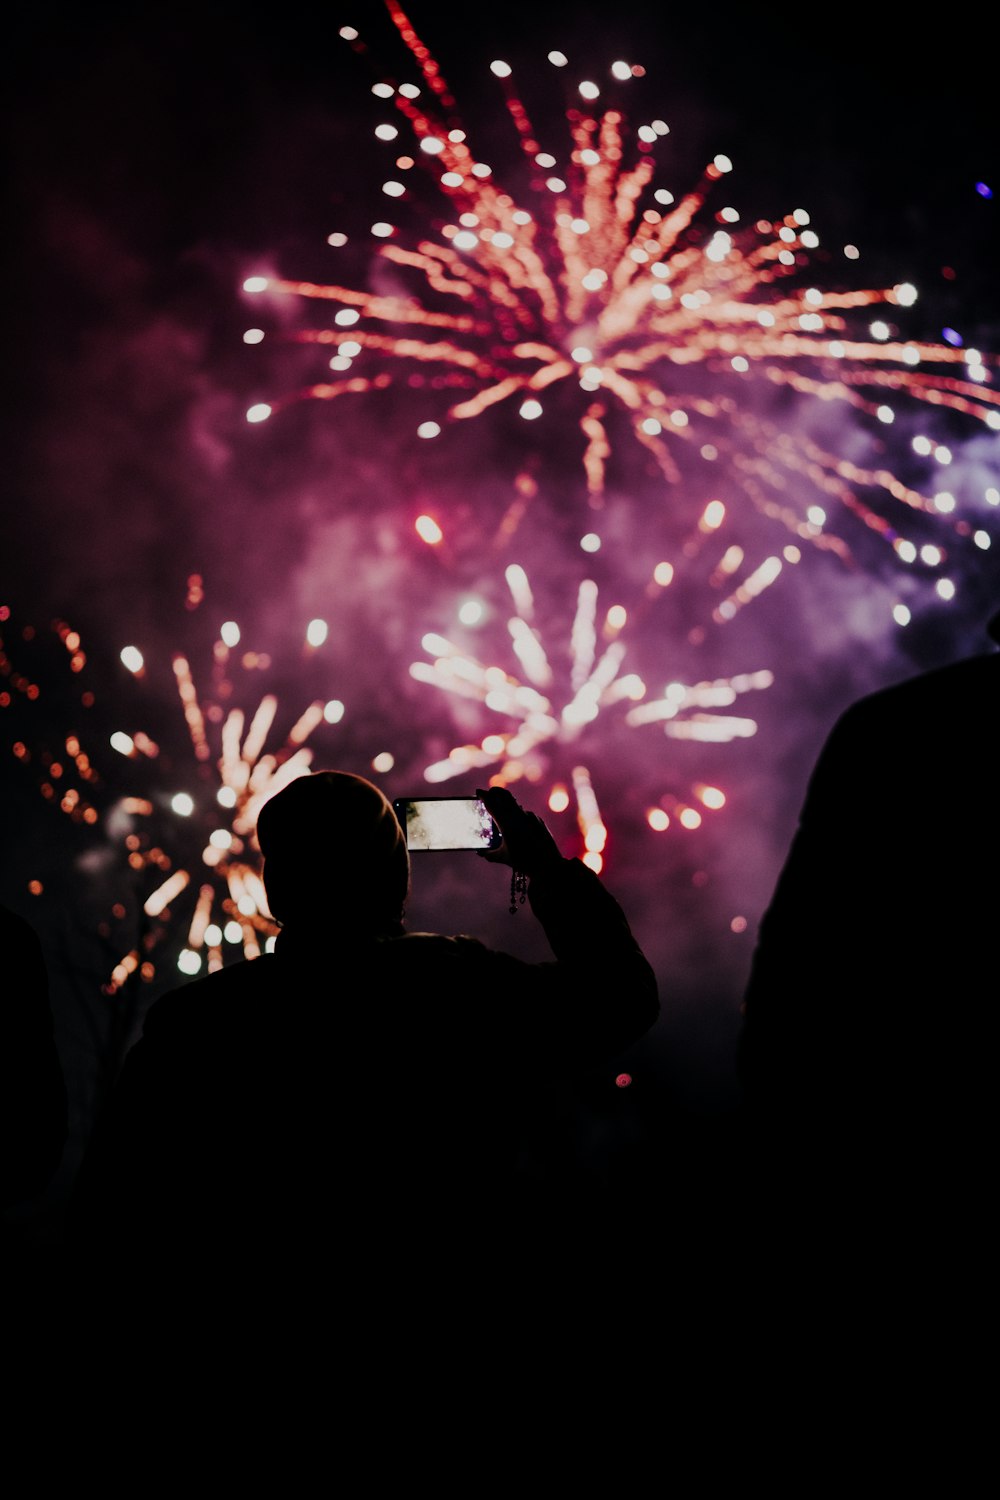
pixel 446 823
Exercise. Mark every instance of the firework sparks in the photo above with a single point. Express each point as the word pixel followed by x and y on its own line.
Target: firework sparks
pixel 198 838
pixel 659 310
pixel 596 681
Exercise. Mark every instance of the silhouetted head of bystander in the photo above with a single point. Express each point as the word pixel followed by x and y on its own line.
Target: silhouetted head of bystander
pixel 334 855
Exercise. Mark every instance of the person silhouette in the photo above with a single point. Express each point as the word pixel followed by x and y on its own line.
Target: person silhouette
pixel 33 1098
pixel 362 1088
pixel 865 1051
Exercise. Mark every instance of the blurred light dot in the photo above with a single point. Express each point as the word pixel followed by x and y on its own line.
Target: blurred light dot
pixel 984 190
pixel 432 145
pixel 816 515
pixel 381 230
pixel 336 239
pixel 944 502
pixel 621 70
pixel 593 861
pixel 623 1080
pixel 558 59
pixel 333 711
pixel 530 409
pixel 428 530
pixel 581 354
pixel 188 962
pixel 942 454
pixel 905 294
pixel 429 430
pixel 689 817
pixel 122 742
pixel 945 588
pixel 226 796
pixel 617 615
pixel 182 804
pixel 317 632
pixel 386 132
pixel 259 413
pixel 233 932
pixel 950 336
pixel 663 574
pixel 255 284
pixel 471 612
pixel 589 91
pixel 382 90
pixel 982 539
pixel 930 555
pixel 465 240
pixel 886 414
pixel 230 633
pixel 657 819
pixel 738 924
pixel 901 614
pixel 723 164
pixel 501 69
pixel 591 542
pixel 393 189
pixel 663 196
pixel 346 316
pixel 879 330
pixel 213 934
pixel 220 838
pixel 253 335
pixel 383 762
pixel 558 799
pixel 131 657
pixel 712 797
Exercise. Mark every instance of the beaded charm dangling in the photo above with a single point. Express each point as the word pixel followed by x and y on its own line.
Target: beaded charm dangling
pixel 518 890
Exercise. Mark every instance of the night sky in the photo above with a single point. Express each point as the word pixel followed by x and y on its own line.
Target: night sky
pixel 158 155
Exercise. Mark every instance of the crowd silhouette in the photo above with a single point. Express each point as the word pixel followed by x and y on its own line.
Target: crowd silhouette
pixel 377 1090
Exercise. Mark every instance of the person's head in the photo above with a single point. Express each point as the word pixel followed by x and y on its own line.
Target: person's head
pixel 333 852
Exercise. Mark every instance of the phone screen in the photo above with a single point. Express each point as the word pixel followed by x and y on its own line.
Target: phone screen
pixel 446 823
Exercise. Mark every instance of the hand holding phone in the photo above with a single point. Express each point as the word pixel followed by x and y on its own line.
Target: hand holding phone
pixel 527 844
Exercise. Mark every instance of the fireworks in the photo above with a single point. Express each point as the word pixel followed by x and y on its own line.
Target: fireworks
pixel 596 682
pixel 185 823
pixel 663 317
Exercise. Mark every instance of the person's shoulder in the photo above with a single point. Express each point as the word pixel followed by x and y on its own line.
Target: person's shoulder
pixel 419 948
pixel 965 688
pixel 233 984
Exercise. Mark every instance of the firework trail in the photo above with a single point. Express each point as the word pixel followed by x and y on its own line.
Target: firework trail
pixel 595 682
pixel 665 312
pixel 197 839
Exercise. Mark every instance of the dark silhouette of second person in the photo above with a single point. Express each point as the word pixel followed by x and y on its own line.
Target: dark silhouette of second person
pixel 867 1050
pixel 362 1085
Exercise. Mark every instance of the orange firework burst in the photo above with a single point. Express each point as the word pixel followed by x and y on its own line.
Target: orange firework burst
pixel 674 315
pixel 186 822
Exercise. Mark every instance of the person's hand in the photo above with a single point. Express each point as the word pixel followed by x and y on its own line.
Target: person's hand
pixel 527 846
